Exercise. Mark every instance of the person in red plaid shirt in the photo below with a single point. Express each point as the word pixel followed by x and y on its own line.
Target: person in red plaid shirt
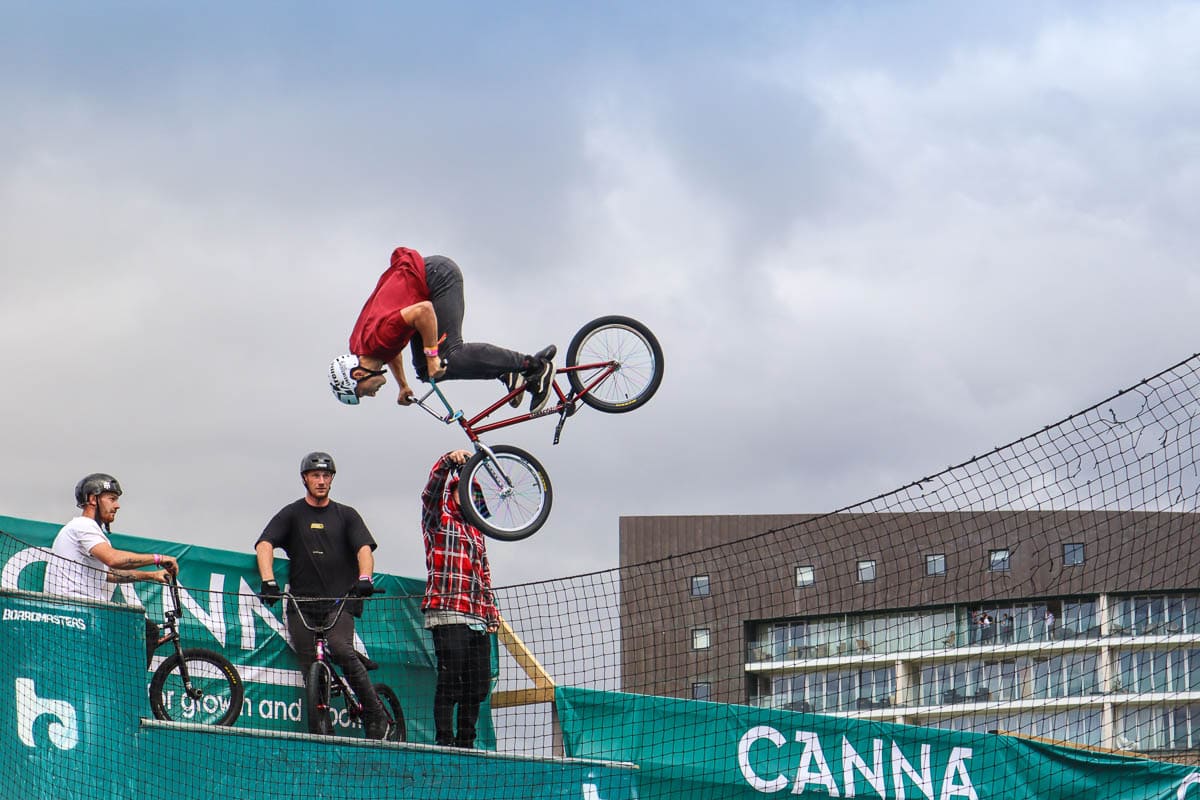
pixel 460 610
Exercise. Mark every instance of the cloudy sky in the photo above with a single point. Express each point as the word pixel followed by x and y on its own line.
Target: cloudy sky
pixel 874 240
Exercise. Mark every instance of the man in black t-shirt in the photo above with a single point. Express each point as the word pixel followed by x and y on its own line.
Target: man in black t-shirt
pixel 331 553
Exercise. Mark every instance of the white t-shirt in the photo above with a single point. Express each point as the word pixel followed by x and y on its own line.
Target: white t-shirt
pixel 73 571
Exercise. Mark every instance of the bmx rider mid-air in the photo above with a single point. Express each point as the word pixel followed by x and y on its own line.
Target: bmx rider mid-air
pixel 419 302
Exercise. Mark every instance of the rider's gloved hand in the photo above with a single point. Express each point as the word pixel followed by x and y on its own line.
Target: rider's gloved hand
pixel 269 592
pixel 363 587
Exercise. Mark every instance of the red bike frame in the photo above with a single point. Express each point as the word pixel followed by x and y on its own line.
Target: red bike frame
pixel 565 407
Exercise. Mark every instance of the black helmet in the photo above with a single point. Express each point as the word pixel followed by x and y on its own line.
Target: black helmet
pixel 96 483
pixel 317 460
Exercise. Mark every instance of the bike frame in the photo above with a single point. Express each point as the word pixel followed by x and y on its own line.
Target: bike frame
pixel 337 683
pixel 565 406
pixel 171 626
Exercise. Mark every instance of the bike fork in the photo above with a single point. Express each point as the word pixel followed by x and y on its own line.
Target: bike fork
pixel 492 465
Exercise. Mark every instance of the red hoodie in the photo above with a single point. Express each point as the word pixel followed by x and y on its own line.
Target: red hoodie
pixel 381 331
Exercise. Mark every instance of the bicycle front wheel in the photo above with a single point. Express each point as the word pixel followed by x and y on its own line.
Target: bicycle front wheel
pixel 626 350
pixel 397 731
pixel 316 694
pixel 215 694
pixel 507 498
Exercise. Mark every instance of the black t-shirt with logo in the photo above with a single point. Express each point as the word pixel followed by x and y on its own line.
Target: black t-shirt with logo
pixel 322 544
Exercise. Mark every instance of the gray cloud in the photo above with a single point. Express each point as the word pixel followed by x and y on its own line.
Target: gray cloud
pixel 865 262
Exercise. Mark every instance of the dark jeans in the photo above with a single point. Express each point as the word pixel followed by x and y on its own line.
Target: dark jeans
pixel 341 648
pixel 465 360
pixel 152 635
pixel 464 676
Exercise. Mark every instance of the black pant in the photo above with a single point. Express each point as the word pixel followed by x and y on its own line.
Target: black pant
pixel 151 641
pixel 466 360
pixel 341 648
pixel 464 676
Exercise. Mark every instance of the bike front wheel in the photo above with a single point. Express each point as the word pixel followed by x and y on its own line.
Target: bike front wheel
pixel 615 364
pixel 215 694
pixel 397 731
pixel 507 498
pixel 316 695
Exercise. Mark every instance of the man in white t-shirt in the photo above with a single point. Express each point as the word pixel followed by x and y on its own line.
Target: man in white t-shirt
pixel 85 564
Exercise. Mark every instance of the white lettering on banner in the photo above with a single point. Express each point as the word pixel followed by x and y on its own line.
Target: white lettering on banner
pixel 249 607
pixel 851 761
pixel 957 768
pixel 1190 780
pixel 804 773
pixel 63 729
pixel 747 741
pixel 213 619
pixel 813 768
pixel 11 574
pixel 13 615
pixel 902 767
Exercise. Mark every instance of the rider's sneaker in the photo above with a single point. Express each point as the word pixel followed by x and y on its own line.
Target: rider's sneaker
pixel 514 380
pixel 538 382
pixel 377 727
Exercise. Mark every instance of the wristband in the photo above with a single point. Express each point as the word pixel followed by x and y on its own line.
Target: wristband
pixel 431 352
pixel 365 578
pixel 157 560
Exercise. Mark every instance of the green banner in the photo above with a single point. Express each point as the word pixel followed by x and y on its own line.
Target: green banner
pixel 221 612
pixel 56 709
pixel 696 749
pixel 73 726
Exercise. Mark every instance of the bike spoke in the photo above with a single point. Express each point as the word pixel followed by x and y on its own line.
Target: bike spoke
pixel 209 700
pixel 512 499
pixel 633 356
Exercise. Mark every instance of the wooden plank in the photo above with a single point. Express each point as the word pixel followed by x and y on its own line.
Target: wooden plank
pixel 521 697
pixel 527 661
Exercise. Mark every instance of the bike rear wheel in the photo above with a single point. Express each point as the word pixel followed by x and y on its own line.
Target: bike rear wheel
pixel 628 348
pixel 316 695
pixel 217 689
pixel 397 730
pixel 508 498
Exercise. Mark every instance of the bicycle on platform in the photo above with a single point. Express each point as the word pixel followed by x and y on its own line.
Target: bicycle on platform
pixel 192 684
pixel 614 364
pixel 324 681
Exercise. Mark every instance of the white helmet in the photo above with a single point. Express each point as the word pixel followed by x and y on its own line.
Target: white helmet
pixel 341 381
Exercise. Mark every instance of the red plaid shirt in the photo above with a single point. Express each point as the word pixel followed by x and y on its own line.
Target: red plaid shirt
pixel 456 560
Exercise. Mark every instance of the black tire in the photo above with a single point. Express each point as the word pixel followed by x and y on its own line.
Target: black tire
pixel 512 513
pixel 316 696
pixel 211 674
pixel 397 730
pixel 632 347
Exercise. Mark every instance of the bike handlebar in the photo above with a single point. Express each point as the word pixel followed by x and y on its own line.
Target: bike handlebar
pixel 339 606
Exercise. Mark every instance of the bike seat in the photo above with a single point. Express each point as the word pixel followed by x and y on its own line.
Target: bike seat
pixel 367 662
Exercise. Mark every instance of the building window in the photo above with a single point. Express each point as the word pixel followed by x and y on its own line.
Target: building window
pixel 701 690
pixel 935 564
pixel 998 560
pixel 1073 555
pixel 701 638
pixel 700 586
pixel 866 571
pixel 806 576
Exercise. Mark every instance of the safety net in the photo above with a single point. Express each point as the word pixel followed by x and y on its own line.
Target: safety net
pixel 1024 624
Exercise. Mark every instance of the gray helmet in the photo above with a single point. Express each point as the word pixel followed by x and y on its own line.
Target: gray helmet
pixel 317 460
pixel 96 483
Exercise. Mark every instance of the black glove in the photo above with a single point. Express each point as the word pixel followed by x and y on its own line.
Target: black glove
pixel 363 587
pixel 269 592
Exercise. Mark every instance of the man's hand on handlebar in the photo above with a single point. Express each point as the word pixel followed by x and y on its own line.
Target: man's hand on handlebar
pixel 363 587
pixel 406 398
pixel 270 593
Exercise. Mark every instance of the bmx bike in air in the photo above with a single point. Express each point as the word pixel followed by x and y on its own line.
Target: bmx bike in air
pixel 614 364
